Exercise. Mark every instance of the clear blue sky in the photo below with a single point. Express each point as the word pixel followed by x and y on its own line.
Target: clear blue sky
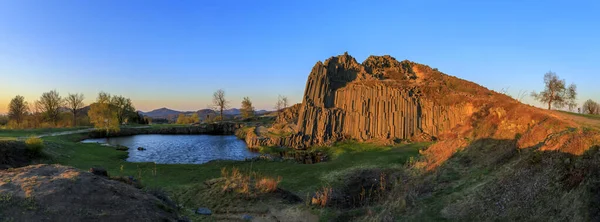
pixel 176 53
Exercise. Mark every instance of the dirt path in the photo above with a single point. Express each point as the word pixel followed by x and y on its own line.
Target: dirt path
pixel 76 132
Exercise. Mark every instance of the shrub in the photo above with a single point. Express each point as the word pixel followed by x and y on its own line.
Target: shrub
pixel 267 184
pixel 35 145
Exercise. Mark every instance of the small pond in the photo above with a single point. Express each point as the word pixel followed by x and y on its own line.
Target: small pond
pixel 180 149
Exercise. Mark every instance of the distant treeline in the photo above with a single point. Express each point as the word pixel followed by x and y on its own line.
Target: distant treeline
pixel 52 110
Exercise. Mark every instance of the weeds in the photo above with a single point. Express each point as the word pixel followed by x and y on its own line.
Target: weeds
pixel 35 145
pixel 249 184
pixel 322 197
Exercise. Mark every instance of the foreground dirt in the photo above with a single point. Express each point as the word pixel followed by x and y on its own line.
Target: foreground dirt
pixel 59 193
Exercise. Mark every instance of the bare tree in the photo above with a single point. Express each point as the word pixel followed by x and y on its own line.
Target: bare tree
pixel 247 108
pixel 50 104
pixel 591 107
pixel 36 112
pixel 282 102
pixel 556 92
pixel 17 109
pixel 74 102
pixel 219 102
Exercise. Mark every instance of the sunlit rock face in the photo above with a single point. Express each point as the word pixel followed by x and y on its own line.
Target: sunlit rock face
pixel 381 99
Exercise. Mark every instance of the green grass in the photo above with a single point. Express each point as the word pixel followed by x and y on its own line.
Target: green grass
pixel 9 133
pixel 298 178
pixel 589 116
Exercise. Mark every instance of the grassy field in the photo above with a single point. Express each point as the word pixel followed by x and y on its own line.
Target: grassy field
pixel 298 178
pixel 6 133
pixel 180 179
pixel 589 116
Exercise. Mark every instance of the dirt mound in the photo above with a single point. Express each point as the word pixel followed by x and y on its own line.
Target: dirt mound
pixel 59 193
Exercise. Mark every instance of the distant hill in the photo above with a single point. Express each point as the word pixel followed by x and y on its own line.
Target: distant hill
pixel 161 113
pixel 170 114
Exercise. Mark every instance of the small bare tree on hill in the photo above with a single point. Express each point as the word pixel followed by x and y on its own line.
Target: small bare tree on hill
pixel 219 102
pixel 17 109
pixel 591 107
pixel 282 103
pixel 74 102
pixel 556 93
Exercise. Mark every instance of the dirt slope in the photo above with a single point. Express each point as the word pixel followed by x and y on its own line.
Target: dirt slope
pixel 59 193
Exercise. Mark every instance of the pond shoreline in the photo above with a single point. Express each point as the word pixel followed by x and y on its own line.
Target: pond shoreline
pixel 224 128
pixel 178 149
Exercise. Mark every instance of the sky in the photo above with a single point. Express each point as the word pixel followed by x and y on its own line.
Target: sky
pixel 175 54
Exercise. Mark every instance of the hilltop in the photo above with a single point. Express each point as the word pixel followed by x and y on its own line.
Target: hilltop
pixel 386 100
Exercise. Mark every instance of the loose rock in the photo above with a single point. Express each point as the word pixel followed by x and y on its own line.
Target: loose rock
pixel 204 211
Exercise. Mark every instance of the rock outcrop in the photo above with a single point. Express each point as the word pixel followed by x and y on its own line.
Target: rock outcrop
pixel 387 100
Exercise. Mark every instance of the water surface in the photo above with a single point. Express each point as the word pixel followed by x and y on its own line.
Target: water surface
pixel 188 149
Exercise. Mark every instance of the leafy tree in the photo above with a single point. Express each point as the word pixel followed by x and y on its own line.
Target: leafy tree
pixel 50 103
pixel 181 119
pixel 247 108
pixel 103 97
pixel 184 119
pixel 194 118
pixel 103 117
pixel 17 109
pixel 138 118
pixel 219 102
pixel 556 92
pixel 3 120
pixel 123 107
pixel 74 102
pixel 591 107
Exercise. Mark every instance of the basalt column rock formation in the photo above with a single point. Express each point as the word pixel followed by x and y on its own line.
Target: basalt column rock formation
pixel 387 100
pixel 380 99
pixel 376 100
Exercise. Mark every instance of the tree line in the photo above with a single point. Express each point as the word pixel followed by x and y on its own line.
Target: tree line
pixel 52 110
pixel 220 104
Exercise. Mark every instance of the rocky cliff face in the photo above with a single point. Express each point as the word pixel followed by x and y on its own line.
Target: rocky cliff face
pixel 383 99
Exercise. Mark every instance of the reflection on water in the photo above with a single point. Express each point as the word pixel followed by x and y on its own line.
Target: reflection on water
pixel 192 149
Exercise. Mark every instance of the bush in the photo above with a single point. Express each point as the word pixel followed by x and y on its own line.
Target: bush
pixel 35 145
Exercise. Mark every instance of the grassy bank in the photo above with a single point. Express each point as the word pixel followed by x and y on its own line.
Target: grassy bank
pixel 9 133
pixel 298 178
pixel 183 181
